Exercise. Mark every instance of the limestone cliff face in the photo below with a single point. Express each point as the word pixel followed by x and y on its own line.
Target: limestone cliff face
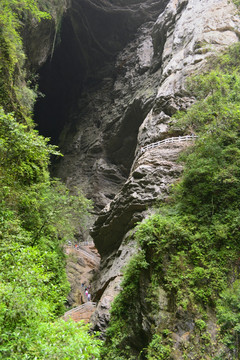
pixel 181 39
pixel 113 96
pixel 130 106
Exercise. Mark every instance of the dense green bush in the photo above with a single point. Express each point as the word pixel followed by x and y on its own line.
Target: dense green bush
pixel 62 340
pixel 228 311
pixel 37 215
pixel 14 91
pixel 157 350
pixel 125 324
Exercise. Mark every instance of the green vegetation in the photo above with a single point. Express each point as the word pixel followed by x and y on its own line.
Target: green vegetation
pixel 157 350
pixel 63 340
pixel 228 310
pixel 190 247
pixel 37 214
pixel 237 3
pixel 17 93
pixel 125 313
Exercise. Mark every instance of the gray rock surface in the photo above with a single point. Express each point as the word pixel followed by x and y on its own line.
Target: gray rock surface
pixel 82 263
pixel 180 33
pixel 148 182
pixel 100 140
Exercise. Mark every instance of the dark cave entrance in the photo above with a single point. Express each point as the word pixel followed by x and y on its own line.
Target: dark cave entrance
pixel 90 38
pixel 92 34
pixel 61 80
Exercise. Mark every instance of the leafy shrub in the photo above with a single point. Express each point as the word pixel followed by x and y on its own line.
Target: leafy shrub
pixel 37 215
pixel 124 313
pixel 64 340
pixel 228 312
pixel 12 74
pixel 157 350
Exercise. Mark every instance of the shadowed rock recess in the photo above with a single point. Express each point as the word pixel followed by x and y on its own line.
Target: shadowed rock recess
pixel 115 80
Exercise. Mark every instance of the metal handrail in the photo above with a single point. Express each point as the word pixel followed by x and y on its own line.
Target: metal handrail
pixel 168 140
pixel 79 307
pixel 81 249
pixel 83 243
pixel 91 256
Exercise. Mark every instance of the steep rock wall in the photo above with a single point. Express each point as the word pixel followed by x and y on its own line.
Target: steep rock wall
pixel 40 38
pixel 183 36
pixel 100 136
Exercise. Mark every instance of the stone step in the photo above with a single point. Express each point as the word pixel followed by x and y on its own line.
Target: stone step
pixel 82 312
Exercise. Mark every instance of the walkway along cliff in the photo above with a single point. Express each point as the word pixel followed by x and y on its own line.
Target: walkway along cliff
pixel 127 86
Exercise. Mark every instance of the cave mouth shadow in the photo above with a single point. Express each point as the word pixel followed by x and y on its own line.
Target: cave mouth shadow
pixel 92 34
pixel 88 43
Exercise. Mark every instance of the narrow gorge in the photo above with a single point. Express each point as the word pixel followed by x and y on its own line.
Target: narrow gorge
pixel 112 85
pixel 114 75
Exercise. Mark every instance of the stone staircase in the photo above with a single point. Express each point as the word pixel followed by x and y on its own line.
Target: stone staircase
pixel 82 312
pixel 82 259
